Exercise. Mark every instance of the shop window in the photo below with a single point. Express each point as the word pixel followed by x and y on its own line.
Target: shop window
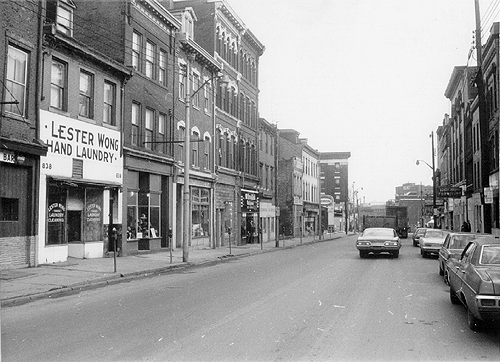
pixel 143 206
pixel 200 200
pixel 9 209
pixel 56 216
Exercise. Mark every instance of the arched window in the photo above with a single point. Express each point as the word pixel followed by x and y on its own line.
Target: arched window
pixel 195 149
pixel 242 107
pixel 218 41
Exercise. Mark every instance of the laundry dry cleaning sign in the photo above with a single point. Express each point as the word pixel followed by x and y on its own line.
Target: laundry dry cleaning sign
pixel 69 139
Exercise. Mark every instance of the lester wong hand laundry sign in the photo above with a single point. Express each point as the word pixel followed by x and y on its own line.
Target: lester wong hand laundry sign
pixel 69 139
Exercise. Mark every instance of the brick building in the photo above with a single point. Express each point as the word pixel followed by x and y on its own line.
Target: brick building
pixel 334 177
pixel 20 149
pixel 80 121
pixel 224 35
pixel 267 173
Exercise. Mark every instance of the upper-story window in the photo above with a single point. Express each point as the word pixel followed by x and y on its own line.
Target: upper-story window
pixel 162 67
pixel 207 100
pixel 182 81
pixel 16 80
pixel 196 90
pixel 150 59
pixel 109 104
pixel 148 128
pixel 64 21
pixel 189 25
pixel 59 85
pixel 86 101
pixel 136 120
pixel 136 50
pixel 195 150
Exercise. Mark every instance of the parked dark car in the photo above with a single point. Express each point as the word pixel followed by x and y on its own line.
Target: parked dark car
pixel 417 234
pixel 378 240
pixel 431 241
pixel 453 245
pixel 474 281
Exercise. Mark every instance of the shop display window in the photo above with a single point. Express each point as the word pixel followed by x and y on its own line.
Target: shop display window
pixel 143 206
pixel 200 200
pixel 74 214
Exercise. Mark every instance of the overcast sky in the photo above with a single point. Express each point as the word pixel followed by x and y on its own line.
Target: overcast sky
pixel 365 76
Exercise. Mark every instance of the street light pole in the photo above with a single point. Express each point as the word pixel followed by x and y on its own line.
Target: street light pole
pixel 434 183
pixel 186 237
pixel 186 234
pixel 434 186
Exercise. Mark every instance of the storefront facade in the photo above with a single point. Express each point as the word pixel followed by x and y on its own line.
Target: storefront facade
pixel 249 216
pixel 80 182
pixel 267 212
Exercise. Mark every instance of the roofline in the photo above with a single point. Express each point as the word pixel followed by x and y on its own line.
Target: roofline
pixel 455 77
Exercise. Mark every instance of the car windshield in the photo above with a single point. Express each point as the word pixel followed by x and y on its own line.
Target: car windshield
pixel 420 232
pixel 434 234
pixel 490 255
pixel 379 232
pixel 461 241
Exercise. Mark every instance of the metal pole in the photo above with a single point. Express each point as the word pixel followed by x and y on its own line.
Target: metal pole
pixel 187 159
pixel 434 186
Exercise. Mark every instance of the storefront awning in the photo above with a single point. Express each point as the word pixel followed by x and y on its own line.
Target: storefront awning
pixel 72 181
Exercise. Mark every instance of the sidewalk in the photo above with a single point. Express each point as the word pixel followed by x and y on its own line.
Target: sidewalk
pixel 19 286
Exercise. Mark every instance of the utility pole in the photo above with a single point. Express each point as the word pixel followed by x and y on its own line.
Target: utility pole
pixel 483 119
pixel 434 184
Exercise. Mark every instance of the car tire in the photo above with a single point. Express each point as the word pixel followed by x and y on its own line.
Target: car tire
pixel 445 277
pixel 362 254
pixel 395 254
pixel 475 324
pixel 441 271
pixel 453 297
pixel 415 244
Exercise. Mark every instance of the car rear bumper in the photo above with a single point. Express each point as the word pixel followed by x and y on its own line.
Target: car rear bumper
pixel 488 307
pixel 378 249
pixel 430 249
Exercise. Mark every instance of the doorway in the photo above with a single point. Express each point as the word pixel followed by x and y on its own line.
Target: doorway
pixel 74 226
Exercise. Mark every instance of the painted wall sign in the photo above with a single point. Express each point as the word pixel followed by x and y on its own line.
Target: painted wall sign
pixel 98 147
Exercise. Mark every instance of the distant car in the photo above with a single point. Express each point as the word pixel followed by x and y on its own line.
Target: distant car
pixel 454 244
pixel 378 240
pixel 475 280
pixel 417 234
pixel 431 242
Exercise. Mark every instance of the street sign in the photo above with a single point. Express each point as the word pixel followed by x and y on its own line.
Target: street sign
pixel 449 191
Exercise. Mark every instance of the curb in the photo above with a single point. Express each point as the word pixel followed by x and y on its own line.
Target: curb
pixel 123 278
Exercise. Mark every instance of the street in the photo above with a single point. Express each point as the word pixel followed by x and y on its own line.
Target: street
pixel 317 302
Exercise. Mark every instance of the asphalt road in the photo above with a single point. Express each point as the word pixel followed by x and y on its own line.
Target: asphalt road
pixel 319 302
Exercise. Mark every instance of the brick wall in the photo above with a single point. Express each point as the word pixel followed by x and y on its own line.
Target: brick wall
pixel 17 251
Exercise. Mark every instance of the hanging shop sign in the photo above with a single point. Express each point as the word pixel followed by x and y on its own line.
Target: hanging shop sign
pixel 249 201
pixel 449 191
